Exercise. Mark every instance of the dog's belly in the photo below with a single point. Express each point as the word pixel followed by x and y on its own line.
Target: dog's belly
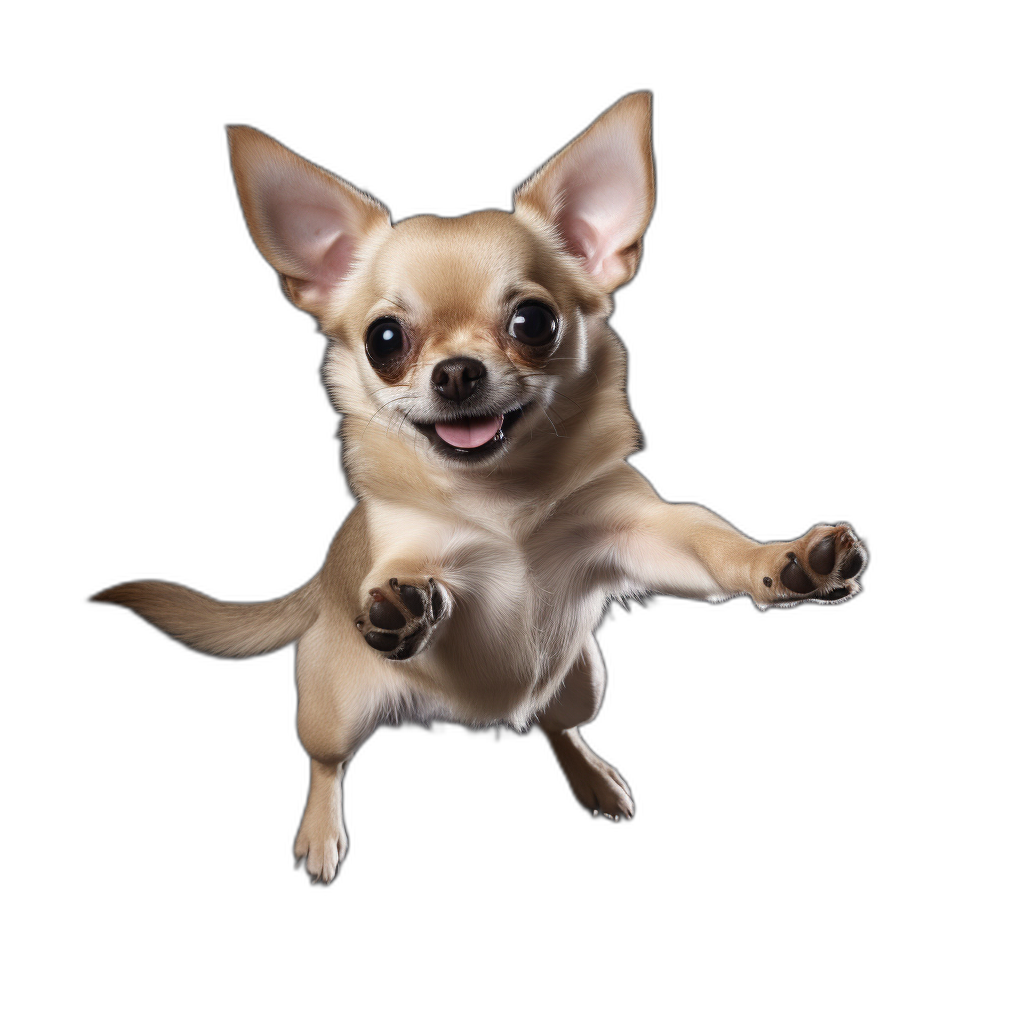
pixel 523 614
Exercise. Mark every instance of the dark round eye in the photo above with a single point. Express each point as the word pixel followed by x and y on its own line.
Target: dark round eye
pixel 533 324
pixel 385 341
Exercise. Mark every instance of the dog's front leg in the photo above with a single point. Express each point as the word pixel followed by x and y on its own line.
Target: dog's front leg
pixel 403 609
pixel 689 551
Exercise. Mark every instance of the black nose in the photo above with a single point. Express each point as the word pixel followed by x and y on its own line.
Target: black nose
pixel 456 378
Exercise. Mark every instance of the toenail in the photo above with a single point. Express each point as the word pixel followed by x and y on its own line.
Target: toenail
pixel 767 581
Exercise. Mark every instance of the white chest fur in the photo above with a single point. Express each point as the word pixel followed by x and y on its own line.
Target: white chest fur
pixel 527 592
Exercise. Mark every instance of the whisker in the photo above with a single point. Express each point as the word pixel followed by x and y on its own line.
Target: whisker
pixel 417 436
pixel 578 406
pixel 573 359
pixel 551 421
pixel 376 414
pixel 387 387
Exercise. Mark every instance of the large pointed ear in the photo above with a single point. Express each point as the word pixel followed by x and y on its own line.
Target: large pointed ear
pixel 598 192
pixel 308 223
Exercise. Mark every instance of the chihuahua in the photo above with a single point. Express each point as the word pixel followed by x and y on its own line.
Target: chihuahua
pixel 485 434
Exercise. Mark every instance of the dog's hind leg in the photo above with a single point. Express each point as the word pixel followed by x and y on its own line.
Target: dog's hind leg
pixel 321 838
pixel 597 785
pixel 337 712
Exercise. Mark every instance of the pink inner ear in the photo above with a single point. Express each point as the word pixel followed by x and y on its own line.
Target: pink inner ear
pixel 597 249
pixel 308 223
pixel 315 238
pixel 580 237
pixel 603 203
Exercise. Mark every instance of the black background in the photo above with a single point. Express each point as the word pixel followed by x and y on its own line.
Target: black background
pixel 762 749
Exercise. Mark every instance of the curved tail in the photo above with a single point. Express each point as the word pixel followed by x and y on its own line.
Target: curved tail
pixel 219 627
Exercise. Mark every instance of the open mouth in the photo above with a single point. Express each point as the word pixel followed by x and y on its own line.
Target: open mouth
pixel 471 437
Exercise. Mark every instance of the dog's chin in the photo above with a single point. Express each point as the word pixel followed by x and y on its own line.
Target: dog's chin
pixel 473 439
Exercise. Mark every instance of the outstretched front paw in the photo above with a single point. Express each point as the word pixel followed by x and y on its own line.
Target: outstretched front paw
pixel 400 619
pixel 823 565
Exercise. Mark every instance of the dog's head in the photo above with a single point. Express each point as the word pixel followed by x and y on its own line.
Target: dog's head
pixel 459 336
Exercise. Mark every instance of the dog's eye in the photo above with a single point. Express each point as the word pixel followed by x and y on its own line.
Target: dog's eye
pixel 385 341
pixel 533 324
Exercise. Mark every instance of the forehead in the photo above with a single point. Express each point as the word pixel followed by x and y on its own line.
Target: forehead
pixel 459 263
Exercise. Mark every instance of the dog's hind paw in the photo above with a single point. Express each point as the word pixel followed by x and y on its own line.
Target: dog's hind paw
pixel 323 846
pixel 603 791
pixel 400 619
pixel 595 783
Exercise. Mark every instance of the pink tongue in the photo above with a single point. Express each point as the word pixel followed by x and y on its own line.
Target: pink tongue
pixel 469 433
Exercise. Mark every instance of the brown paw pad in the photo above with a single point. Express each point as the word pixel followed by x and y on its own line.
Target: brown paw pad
pixel 412 597
pixel 853 566
pixel 384 614
pixel 794 578
pixel 382 641
pixel 822 558
pixel 409 646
